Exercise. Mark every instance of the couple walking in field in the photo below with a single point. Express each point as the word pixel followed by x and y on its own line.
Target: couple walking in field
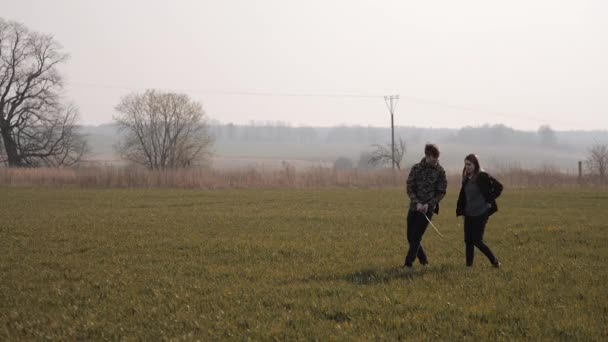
pixel 426 187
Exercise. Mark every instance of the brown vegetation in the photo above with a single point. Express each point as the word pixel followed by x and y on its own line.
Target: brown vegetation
pixel 286 177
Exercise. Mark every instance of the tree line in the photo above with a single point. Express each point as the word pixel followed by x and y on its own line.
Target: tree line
pixel 282 132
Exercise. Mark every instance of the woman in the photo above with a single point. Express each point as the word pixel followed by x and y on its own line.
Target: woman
pixel 477 201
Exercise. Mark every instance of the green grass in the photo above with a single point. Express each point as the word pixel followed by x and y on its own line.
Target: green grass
pixel 285 264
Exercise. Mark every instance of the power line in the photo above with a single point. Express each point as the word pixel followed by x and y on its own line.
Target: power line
pixel 411 99
pixel 231 92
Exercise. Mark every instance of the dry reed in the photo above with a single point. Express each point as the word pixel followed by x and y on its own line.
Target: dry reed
pixel 286 177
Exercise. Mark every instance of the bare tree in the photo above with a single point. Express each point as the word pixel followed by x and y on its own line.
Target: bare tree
pixel 162 130
pixel 36 128
pixel 597 160
pixel 382 155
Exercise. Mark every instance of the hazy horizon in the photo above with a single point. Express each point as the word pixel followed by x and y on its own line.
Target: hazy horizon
pixel 454 64
pixel 262 123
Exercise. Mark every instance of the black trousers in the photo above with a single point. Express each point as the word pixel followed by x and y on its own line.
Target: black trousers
pixel 474 227
pixel 416 226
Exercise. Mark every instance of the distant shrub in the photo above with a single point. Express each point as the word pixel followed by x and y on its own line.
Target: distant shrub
pixel 343 163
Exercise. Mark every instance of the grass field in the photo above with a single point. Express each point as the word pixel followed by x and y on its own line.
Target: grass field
pixel 294 264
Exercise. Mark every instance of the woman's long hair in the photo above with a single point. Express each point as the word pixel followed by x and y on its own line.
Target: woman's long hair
pixel 473 158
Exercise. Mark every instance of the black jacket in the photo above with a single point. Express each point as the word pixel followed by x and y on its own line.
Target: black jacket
pixel 490 190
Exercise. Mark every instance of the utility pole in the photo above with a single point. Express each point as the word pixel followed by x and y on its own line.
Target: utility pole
pixel 391 103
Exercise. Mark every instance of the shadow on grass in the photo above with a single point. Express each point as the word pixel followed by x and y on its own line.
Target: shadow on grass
pixel 382 275
pixel 372 276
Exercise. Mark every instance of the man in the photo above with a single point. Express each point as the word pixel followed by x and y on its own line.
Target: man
pixel 426 187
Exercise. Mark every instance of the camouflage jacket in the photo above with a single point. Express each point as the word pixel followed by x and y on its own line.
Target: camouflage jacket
pixel 426 183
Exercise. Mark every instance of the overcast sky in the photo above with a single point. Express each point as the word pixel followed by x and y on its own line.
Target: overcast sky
pixel 454 63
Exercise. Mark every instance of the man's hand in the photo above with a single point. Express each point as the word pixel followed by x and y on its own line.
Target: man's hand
pixel 422 207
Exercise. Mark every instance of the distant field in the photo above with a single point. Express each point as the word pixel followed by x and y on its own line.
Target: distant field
pixel 294 264
pixel 452 154
pixel 269 155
